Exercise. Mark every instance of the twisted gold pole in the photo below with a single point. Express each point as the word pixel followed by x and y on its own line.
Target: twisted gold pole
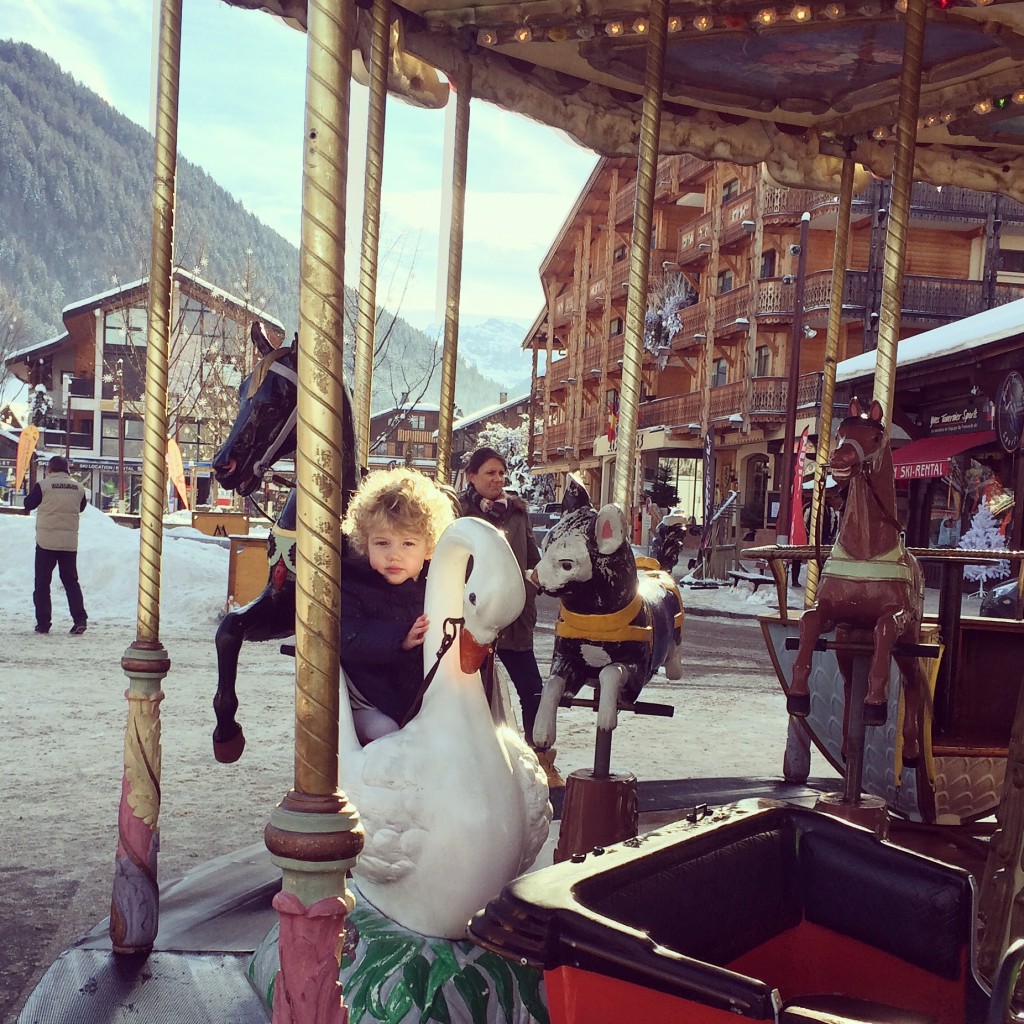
pixel 640 257
pixel 828 384
pixel 464 89
pixel 314 834
pixel 367 304
pixel 898 226
pixel 135 898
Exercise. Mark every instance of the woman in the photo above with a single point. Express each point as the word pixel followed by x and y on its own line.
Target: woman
pixel 485 498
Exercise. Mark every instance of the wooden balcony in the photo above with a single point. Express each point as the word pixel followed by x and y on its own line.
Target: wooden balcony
pixel 694 320
pixel 597 292
pixel 624 203
pixel 726 400
pixel 768 401
pixel 926 300
pixel 787 205
pixel 672 411
pixel 615 346
pixel 555 435
pixel 591 359
pixel 732 312
pixel 655 272
pixel 564 307
pixel 695 241
pixel 590 426
pixel 734 214
pixel 691 167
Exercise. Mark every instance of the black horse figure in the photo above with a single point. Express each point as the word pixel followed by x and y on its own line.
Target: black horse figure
pixel 264 432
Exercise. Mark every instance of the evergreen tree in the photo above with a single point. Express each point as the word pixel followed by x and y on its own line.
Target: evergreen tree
pixel 512 444
pixel 983 535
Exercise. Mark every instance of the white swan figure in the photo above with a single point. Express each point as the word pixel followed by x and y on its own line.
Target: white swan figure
pixel 453 805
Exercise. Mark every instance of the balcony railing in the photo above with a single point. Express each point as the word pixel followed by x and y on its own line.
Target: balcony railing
pixel 596 292
pixel 565 306
pixel 694 320
pixel 589 427
pixel 695 240
pixel 556 434
pixel 59 439
pixel 678 409
pixel 690 167
pixel 768 399
pixel 732 307
pixel 624 202
pixel 726 400
pixel 734 214
pixel 783 205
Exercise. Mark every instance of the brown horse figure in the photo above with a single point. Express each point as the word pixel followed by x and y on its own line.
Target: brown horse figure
pixel 869 582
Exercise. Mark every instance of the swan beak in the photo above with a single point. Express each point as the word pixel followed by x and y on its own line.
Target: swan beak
pixel 471 652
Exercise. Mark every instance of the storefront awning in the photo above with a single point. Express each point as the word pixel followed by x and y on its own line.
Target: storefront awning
pixel 929 457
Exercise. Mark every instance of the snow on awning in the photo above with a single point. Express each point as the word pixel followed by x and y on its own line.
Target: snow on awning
pixel 929 457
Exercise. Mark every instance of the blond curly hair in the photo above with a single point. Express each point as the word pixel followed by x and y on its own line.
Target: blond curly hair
pixel 401 499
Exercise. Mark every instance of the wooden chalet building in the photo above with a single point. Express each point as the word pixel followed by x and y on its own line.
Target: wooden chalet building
pixel 94 373
pixel 405 434
pixel 466 431
pixel 721 301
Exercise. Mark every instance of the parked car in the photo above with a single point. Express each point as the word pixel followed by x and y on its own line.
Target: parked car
pixel 1000 602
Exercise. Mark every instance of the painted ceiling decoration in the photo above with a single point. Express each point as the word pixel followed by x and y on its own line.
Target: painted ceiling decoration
pixel 794 85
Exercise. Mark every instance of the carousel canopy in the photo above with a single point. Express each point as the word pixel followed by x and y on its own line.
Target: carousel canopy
pixel 793 84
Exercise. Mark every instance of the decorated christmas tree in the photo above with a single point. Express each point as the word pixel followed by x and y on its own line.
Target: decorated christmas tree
pixel 983 535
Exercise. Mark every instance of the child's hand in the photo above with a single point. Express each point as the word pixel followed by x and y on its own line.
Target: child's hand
pixel 417 634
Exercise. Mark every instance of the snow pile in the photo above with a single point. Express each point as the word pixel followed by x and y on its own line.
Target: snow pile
pixel 194 576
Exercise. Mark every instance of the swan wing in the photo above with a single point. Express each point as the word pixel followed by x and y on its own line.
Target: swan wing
pixel 531 781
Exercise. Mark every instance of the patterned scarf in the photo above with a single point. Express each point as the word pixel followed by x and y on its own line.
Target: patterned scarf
pixel 493 511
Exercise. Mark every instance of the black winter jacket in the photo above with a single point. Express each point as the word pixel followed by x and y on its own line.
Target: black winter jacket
pixel 376 617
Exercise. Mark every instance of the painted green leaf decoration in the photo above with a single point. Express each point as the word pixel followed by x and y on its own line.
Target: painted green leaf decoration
pixel 444 967
pixel 501 975
pixel 384 957
pixel 415 975
pixel 529 991
pixel 472 986
pixel 438 1010
pixel 398 1004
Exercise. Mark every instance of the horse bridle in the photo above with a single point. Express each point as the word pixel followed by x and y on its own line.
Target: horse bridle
pixel 269 457
pixel 867 466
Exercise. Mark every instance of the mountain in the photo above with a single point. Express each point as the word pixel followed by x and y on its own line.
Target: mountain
pixel 75 209
pixel 493 346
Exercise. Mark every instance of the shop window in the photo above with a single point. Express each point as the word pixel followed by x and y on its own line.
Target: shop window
pixel 769 263
pixel 719 373
pixel 725 282
pixel 762 361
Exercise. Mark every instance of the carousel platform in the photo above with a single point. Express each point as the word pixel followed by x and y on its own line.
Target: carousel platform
pixel 213 919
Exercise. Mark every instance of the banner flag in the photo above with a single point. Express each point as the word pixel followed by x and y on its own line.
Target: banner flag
pixel 26 446
pixel 797 526
pixel 176 470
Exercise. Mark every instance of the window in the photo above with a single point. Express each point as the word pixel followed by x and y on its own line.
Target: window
pixel 619 255
pixel 730 190
pixel 719 373
pixel 725 282
pixel 617 327
pixel 417 421
pixel 762 361
pixel 768 263
pixel 132 437
pixel 125 326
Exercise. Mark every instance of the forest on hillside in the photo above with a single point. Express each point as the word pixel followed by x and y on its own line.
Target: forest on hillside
pixel 75 213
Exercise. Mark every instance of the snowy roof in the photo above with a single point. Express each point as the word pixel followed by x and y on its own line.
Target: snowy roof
pixel 83 305
pixel 960 336
pixel 417 407
pixel 490 410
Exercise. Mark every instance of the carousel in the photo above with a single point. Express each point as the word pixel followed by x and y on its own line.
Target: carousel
pixel 860 909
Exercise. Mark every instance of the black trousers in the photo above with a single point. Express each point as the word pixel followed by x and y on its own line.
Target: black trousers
pixel 525 675
pixel 67 565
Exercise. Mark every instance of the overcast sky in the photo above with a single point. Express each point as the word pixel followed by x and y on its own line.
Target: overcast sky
pixel 241 120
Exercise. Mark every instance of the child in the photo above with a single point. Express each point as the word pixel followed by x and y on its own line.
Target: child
pixel 392 524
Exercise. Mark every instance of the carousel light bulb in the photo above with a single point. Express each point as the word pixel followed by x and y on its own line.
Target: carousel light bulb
pixel 946 116
pixel 1018 97
pixel 523 34
pixel 675 23
pixel 640 26
pixel 766 16
pixel 800 13
pixel 558 34
pixel 901 6
pixel 879 133
pixel 703 22
pixel 834 11
pixel 983 107
pixel 930 120
pixel 614 28
pixel 487 37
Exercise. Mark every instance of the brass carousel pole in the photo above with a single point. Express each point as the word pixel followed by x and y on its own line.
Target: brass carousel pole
pixel 640 258
pixel 135 900
pixel 314 834
pixel 600 806
pixel 463 93
pixel 796 761
pixel 828 383
pixel 367 302
pixel 890 316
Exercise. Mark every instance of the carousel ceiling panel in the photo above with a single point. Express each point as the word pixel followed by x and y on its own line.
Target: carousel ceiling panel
pixel 795 85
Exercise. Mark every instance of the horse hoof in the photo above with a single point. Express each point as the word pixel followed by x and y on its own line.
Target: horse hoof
pixel 798 705
pixel 911 762
pixel 229 751
pixel 875 714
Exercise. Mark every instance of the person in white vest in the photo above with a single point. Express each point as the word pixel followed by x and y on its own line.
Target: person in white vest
pixel 60 501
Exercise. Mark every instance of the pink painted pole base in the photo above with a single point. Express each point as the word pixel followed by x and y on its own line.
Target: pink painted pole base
pixel 307 989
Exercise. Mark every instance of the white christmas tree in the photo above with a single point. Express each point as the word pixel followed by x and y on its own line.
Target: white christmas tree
pixel 983 535
pixel 511 442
